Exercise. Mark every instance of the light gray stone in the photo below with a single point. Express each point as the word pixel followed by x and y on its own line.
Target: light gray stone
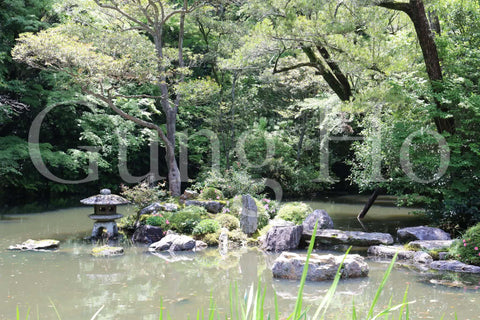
pixel 455 266
pixel 282 238
pixel 390 251
pixel 431 244
pixel 35 245
pixel 190 194
pixel 248 215
pixel 278 222
pixel 156 207
pixel 355 238
pixel 173 242
pixel 421 233
pixel 421 257
pixel 324 221
pixel 320 267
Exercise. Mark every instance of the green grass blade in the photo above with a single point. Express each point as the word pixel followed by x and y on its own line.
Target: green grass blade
pixel 275 300
pixel 382 285
pixel 298 305
pixel 160 317
pixel 97 313
pixel 404 307
pixel 18 313
pixel 55 309
pixel 230 293
pixel 354 311
pixel 331 291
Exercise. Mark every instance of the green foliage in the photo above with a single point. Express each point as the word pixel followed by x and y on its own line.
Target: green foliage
pixel 263 216
pixel 210 193
pixel 206 226
pixel 454 216
pixel 467 249
pixel 295 212
pixel 231 182
pixel 142 195
pixel 185 220
pixel 228 221
pixel 158 220
pixel 127 223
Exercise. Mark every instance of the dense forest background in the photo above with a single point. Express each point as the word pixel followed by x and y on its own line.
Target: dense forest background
pixel 316 96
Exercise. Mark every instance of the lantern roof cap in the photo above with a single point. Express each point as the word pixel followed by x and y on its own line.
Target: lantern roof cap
pixel 105 198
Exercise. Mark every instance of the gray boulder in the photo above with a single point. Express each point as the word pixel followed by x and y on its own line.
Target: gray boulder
pixel 156 207
pixel 282 238
pixel 431 244
pixel 390 251
pixel 354 238
pixel 36 245
pixel 190 194
pixel 455 266
pixel 211 206
pixel 173 242
pixel 324 221
pixel 248 215
pixel 421 233
pixel 320 267
pixel 421 257
pixel 147 234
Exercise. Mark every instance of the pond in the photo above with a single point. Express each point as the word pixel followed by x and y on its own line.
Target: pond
pixel 133 286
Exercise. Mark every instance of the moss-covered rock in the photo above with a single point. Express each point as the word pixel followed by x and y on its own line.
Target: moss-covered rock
pixel 107 251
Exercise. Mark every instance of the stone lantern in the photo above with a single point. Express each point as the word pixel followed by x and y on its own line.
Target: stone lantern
pixel 105 213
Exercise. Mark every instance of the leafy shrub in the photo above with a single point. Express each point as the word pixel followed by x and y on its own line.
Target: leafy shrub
pixel 211 239
pixel 294 211
pixel 228 221
pixel 158 220
pixel 143 195
pixel 127 223
pixel 231 182
pixel 206 226
pixel 270 206
pixel 455 216
pixel 467 249
pixel 210 193
pixel 185 220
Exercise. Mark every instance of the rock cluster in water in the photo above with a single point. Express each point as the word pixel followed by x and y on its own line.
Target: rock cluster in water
pixel 36 245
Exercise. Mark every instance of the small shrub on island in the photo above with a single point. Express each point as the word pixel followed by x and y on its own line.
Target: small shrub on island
pixel 228 221
pixel 206 226
pixel 210 193
pixel 185 220
pixel 158 220
pixel 295 212
pixel 467 248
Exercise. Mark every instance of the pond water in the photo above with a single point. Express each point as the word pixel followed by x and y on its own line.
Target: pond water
pixel 133 286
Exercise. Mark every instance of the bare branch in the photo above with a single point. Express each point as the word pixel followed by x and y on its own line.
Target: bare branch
pixel 123 13
pixel 395 5
pixel 300 65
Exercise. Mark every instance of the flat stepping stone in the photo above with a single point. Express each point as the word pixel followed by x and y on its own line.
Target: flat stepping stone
pixel 320 267
pixel 355 238
pixel 390 251
pixel 421 233
pixel 455 266
pixel 36 245
pixel 107 251
pixel 430 245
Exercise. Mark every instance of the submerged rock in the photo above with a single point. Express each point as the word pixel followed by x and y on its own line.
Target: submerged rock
pixel 174 242
pixel 354 238
pixel 324 221
pixel 35 245
pixel 431 244
pixel 282 238
pixel 147 234
pixel 107 251
pixel 211 206
pixel 455 266
pixel 421 233
pixel 248 215
pixel 320 267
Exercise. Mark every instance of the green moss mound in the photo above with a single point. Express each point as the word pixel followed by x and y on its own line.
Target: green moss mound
pixel 295 212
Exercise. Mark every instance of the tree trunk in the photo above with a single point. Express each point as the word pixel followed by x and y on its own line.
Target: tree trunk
pixel 416 11
pixel 330 71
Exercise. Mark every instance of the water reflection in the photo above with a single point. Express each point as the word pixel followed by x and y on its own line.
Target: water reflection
pixel 132 286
